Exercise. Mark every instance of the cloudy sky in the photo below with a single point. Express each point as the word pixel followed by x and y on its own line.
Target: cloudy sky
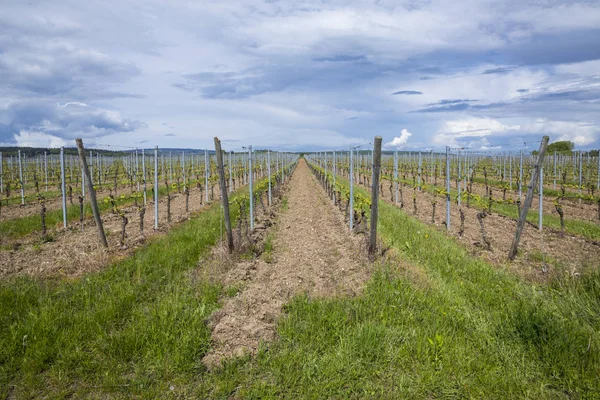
pixel 299 74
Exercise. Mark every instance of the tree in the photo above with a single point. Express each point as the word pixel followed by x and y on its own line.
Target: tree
pixel 594 153
pixel 563 146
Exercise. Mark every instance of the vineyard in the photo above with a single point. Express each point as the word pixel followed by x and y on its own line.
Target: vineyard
pixel 46 219
pixel 254 273
pixel 477 198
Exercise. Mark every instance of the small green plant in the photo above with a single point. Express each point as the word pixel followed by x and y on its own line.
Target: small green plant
pixel 232 291
pixel 268 250
pixel 284 204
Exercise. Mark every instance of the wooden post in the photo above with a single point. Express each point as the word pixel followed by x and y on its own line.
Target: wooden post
pixel 230 172
pixel 144 175
pixel 21 182
pixel 269 173
pixel 528 198
pixel 351 200
pixel 224 198
pixel 375 194
pixel 251 192
pixel 156 187
pixel 63 186
pixel 448 188
pixel 92 192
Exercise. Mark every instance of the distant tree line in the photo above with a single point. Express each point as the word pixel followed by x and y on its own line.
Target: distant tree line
pixel 564 147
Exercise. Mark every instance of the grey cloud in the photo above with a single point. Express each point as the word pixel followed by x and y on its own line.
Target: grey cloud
pixel 408 92
pixel 340 58
pixel 48 78
pixel 66 121
pixel 557 48
pixel 41 56
pixel 501 70
pixel 574 95
pixel 62 71
pixel 277 77
pixel 450 101
pixel 445 108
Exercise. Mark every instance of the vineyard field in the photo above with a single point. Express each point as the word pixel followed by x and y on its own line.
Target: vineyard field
pixel 300 304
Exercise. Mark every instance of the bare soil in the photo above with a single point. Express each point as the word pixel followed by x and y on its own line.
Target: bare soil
pixel 583 210
pixel 76 250
pixel 573 208
pixel 540 250
pixel 32 207
pixel 313 253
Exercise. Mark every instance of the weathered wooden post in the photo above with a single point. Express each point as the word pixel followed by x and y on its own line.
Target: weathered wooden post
pixel 45 169
pixel 156 187
pixel 334 176
pixel 396 176
pixel 251 192
pixel 351 200
pixel 144 175
pixel 528 198
pixel 21 180
pixel 224 198
pixel 63 186
pixel 447 187
pixel 92 192
pixel 230 172
pixel 375 194
pixel 206 170
pixel 521 176
pixel 269 173
pixel 541 200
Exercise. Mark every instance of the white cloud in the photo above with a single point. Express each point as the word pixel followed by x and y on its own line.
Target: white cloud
pixel 399 141
pixel 580 133
pixel 476 127
pixel 476 132
pixel 39 139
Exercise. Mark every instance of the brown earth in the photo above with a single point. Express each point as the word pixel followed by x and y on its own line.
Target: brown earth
pixel 573 208
pixel 76 251
pixel 33 207
pixel 313 253
pixel 539 249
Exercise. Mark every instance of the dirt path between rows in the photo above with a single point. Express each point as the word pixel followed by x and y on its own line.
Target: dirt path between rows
pixel 313 253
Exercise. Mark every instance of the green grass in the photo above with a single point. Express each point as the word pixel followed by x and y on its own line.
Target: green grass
pixel 463 330
pixel 30 197
pixel 267 254
pixel 466 330
pixel 136 327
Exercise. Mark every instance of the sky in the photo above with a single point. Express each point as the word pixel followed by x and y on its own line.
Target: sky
pixel 300 75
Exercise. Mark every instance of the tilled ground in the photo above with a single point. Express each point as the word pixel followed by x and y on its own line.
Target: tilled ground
pixel 75 251
pixel 313 253
pixel 584 210
pixel 538 249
